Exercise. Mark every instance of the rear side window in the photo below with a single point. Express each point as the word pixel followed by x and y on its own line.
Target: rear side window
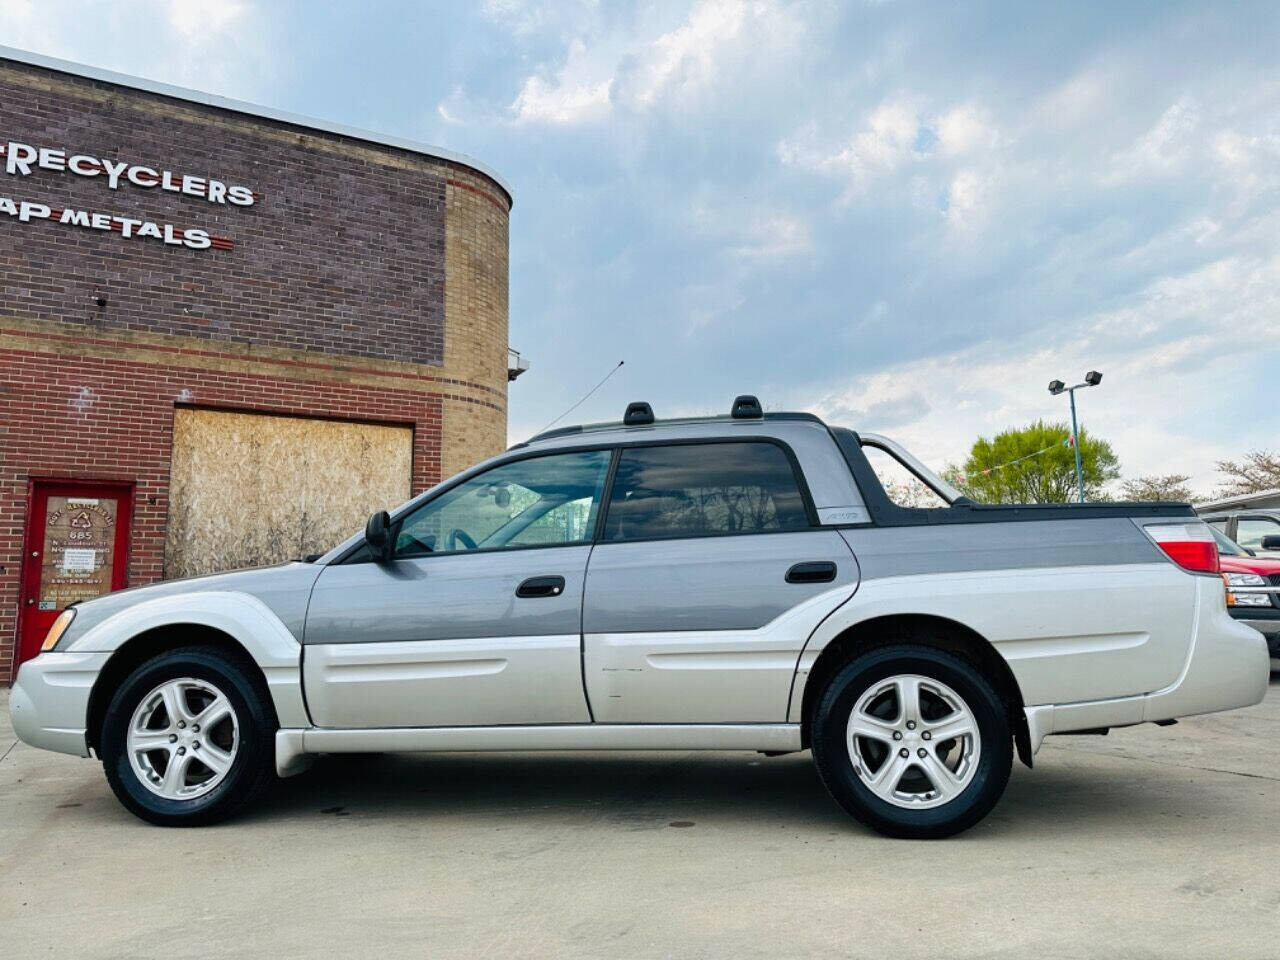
pixel 1251 530
pixel 703 489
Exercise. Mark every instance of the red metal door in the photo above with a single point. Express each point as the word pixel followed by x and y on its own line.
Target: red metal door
pixel 76 548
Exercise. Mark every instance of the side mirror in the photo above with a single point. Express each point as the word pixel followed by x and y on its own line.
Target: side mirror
pixel 1270 542
pixel 377 534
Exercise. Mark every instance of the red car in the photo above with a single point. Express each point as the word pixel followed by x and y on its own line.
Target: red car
pixel 1253 588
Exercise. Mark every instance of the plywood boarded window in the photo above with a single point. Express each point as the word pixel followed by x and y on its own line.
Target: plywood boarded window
pixel 248 489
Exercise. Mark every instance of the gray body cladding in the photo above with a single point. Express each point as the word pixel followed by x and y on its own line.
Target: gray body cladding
pixel 957 548
pixel 284 589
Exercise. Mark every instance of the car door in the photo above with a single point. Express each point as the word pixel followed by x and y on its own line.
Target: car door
pixel 1251 528
pixel 477 619
pixel 709 576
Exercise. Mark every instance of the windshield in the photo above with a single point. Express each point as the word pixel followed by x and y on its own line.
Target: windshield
pixel 1226 546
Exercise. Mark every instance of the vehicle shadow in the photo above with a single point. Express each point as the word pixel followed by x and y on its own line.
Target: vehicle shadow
pixel 642 791
pixel 637 790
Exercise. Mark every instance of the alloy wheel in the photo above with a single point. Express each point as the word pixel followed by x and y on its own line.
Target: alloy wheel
pixel 914 742
pixel 183 738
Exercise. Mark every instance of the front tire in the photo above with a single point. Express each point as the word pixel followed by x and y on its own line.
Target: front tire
pixel 912 741
pixel 188 738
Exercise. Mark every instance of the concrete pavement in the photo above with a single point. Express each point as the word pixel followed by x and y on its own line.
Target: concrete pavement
pixel 1149 842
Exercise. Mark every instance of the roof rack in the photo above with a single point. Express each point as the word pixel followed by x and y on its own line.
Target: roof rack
pixel 640 414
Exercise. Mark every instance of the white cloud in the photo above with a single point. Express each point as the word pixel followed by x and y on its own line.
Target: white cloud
pixel 518 16
pixel 720 37
pixel 897 138
pixel 15 10
pixel 1248 163
pixel 1168 144
pixel 965 198
pixel 885 140
pixel 719 47
pixel 1184 334
pixel 575 93
pixel 966 129
pixel 210 45
pixel 1081 99
pixel 772 237
pixel 195 17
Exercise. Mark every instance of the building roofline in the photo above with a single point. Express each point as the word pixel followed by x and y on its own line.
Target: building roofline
pixel 1238 498
pixel 250 109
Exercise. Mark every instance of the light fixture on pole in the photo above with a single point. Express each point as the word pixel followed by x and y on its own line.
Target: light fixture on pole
pixel 1091 379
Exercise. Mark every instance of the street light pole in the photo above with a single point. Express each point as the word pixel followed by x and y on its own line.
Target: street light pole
pixel 1075 444
pixel 1091 379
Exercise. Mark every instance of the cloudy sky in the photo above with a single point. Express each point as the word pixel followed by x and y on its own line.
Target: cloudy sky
pixel 906 216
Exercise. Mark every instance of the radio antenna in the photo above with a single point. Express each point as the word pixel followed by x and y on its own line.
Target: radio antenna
pixel 584 397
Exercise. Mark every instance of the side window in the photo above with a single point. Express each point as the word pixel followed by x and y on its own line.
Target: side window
pixel 539 501
pixel 704 489
pixel 1251 530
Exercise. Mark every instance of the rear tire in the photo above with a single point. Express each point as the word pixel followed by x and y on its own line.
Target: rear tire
pixel 926 771
pixel 189 738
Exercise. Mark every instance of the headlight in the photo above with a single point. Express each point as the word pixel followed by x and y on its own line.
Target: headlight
pixel 58 629
pixel 1241 590
pixel 1244 580
pixel 1248 600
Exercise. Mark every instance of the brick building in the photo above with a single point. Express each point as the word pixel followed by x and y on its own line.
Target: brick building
pixel 226 334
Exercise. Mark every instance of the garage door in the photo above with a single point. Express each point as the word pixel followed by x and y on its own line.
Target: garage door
pixel 248 489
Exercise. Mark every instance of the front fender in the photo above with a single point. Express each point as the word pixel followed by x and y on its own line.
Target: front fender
pixel 244 618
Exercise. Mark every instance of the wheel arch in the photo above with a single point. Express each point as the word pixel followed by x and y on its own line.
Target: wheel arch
pixel 235 622
pixel 920 628
pixel 150 643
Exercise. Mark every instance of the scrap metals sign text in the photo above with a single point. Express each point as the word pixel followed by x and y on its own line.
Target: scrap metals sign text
pixel 21 158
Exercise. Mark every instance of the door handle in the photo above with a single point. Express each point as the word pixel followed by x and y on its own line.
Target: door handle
pixel 541 587
pixel 815 571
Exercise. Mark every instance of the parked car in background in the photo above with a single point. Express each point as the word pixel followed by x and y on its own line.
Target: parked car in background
pixel 1257 530
pixel 727 583
pixel 1253 588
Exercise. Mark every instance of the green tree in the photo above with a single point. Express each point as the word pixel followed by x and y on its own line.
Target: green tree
pixel 1172 486
pixel 1035 464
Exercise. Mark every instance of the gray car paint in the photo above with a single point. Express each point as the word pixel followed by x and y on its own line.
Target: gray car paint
pixel 284 589
pixel 1022 545
pixel 447 597
pixel 707 583
pixel 359 602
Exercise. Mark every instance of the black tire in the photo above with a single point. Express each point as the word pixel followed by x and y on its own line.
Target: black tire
pixel 250 772
pixel 829 730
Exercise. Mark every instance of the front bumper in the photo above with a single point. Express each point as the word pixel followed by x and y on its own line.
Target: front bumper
pixel 49 702
pixel 1266 622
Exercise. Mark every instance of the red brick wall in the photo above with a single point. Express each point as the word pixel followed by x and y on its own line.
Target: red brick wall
pixel 343 252
pixel 74 417
pixel 331 303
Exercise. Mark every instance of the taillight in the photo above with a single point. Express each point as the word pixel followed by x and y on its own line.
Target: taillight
pixel 1189 545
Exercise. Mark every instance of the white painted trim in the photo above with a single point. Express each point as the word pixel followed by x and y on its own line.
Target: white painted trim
pixel 250 109
pixel 291 759
pixel 596 736
pixel 1039 725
